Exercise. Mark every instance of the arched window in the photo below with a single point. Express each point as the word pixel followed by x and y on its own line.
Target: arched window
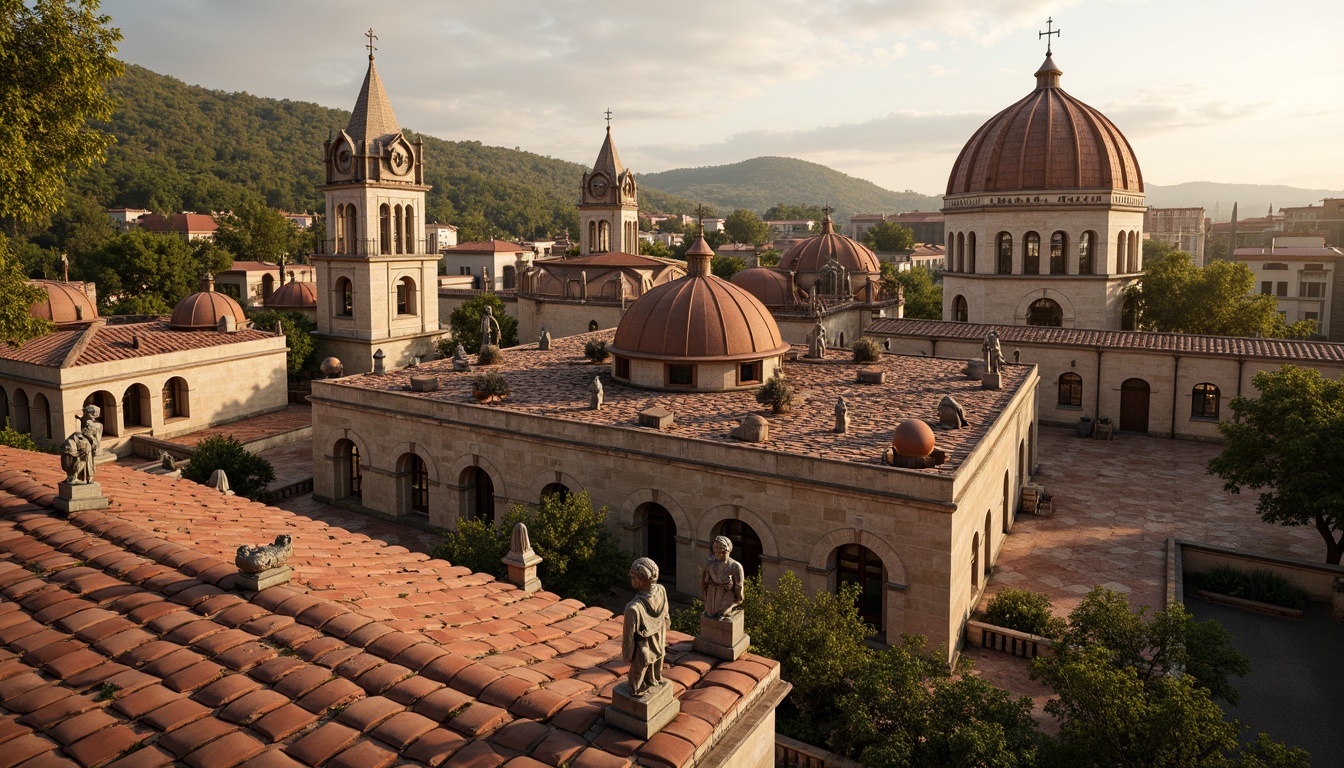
pixel 592 325
pixel 135 406
pixel 384 229
pixel 349 477
pixel 559 490
pixel 960 312
pixel 406 304
pixel 174 396
pixel 989 539
pixel 1133 260
pixel 1120 251
pixel 478 495
pixel 975 563
pixel 416 479
pixel 398 230
pixel 340 229
pixel 592 237
pixel 961 252
pixel 1204 401
pixel 746 544
pixel 1045 312
pixel 411 236
pixel 510 278
pixel 41 417
pixel 1071 390
pixel 344 300
pixel 1086 243
pixel 856 564
pixel 951 260
pixel 1059 247
pixel 603 236
pixel 107 405
pixel 352 228
pixel 1005 249
pixel 660 538
pixel 267 286
pixel 970 245
pixel 1031 254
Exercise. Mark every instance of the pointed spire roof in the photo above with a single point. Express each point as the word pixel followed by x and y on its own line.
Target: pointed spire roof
pixel 608 162
pixel 373 117
pixel 699 256
pixel 1048 75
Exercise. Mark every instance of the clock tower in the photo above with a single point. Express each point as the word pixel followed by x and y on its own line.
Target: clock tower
pixel 377 288
pixel 609 211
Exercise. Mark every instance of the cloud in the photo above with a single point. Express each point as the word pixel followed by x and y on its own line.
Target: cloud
pixel 1183 106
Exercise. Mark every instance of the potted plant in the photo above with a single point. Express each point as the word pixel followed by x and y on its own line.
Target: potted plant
pixel 866 350
pixel 1104 429
pixel 489 355
pixel 596 350
pixel 489 386
pixel 1085 426
pixel 776 393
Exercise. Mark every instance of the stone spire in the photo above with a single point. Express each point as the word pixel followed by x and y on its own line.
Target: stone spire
pixel 827 226
pixel 373 117
pixel 608 162
pixel 699 257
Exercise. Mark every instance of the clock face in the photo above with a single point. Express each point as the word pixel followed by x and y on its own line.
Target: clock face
pixel 598 186
pixel 343 158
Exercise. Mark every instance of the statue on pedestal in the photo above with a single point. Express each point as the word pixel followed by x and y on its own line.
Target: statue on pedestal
pixel 993 352
pixel 644 641
pixel 722 583
pixel 490 331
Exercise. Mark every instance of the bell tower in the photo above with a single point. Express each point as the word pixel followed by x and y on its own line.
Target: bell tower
pixel 377 288
pixel 609 211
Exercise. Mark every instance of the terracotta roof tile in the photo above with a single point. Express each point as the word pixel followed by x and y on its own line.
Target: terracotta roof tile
pixel 108 342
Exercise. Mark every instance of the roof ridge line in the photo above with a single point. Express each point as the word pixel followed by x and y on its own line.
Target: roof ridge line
pixel 82 343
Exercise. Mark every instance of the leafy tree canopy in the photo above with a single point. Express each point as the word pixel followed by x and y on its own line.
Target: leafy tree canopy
pixel 248 473
pixel 1276 442
pixel 1175 296
pixel 743 226
pixel 889 236
pixel 654 248
pixel 16 296
pixel 768 257
pixel 466 322
pixel 785 212
pixel 257 232
pixel 923 297
pixel 141 272
pixel 301 357
pixel 727 266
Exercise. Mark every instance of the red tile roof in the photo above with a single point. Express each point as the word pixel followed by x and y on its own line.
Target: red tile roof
pixel 610 259
pixel 487 246
pixel 1184 343
pixel 1289 251
pixel 121 632
pixel 179 222
pixel 105 342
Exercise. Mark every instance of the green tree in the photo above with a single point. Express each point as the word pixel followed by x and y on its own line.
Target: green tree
pixel 727 266
pixel 301 357
pixel 654 248
pixel 248 473
pixel 785 212
pixel 889 236
pixel 16 296
pixel 257 232
pixel 670 226
pixel 1275 443
pixel 140 272
pixel 55 59
pixel 743 226
pixel 768 257
pixel 466 322
pixel 1175 296
pixel 15 439
pixel 923 297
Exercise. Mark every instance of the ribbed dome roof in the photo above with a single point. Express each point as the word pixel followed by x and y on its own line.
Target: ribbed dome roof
pixel 293 295
pixel 698 318
pixel 202 310
pixel 64 303
pixel 811 255
pixel 771 286
pixel 1047 141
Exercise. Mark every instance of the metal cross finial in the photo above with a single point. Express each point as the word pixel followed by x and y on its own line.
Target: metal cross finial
pixel 700 216
pixel 1049 22
pixel 826 209
pixel 370 46
pixel 608 117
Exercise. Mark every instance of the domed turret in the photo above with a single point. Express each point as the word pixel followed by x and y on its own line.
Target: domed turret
pixel 812 257
pixel 771 286
pixel 293 296
pixel 204 309
pixel 64 304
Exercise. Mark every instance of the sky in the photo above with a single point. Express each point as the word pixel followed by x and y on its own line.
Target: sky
pixel 885 90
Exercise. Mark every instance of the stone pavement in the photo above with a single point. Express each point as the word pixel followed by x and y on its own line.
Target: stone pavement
pixel 292 463
pixel 294 416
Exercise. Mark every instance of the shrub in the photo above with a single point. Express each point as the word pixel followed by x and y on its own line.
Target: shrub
pixel 248 473
pixel 596 350
pixel 301 357
pixel 16 439
pixel 489 355
pixel 490 384
pixel 776 393
pixel 1259 585
pixel 1024 611
pixel 445 346
pixel 866 350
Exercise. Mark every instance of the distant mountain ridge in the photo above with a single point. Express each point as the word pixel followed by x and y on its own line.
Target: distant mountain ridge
pixel 1217 198
pixel 761 182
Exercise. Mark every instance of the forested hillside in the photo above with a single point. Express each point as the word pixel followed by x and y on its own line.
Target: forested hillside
pixel 761 182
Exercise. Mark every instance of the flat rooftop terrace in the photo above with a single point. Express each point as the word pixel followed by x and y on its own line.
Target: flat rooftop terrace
pixel 554 383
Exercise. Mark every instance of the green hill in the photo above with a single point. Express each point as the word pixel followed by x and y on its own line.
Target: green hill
pixel 761 182
pixel 182 147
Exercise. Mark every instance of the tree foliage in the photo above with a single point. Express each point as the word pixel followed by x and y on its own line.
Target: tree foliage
pixel 15 439
pixel 466 322
pixel 248 473
pixel 1276 442
pixel 1175 296
pixel 786 212
pixel 16 296
pixel 923 297
pixel 141 272
pixel 257 232
pixel 744 226
pixel 301 355
pixel 580 556
pixel 889 236
pixel 727 266
pixel 655 248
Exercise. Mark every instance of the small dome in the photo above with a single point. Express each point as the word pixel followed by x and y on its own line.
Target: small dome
pixel 293 295
pixel 771 286
pixel 203 309
pixel 1046 141
pixel 698 318
pixel 913 438
pixel 64 305
pixel 812 254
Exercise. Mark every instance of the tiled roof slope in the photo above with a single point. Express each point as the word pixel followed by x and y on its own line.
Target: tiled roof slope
pixel 109 342
pixel 1185 343
pixel 122 644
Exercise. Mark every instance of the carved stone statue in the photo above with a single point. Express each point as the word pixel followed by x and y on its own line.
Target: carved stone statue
pixel 79 454
pixel 460 361
pixel 544 342
pixel 595 395
pixel 722 582
pixel 92 430
pixel 490 331
pixel 841 415
pixel 267 557
pixel 817 340
pixel 644 640
pixel 77 459
pixel 993 352
pixel 950 413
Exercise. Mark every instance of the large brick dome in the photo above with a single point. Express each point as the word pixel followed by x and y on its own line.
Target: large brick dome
pixel 64 304
pixel 1047 141
pixel 810 255
pixel 293 295
pixel 202 310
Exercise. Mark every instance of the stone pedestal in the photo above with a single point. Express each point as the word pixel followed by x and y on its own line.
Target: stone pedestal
pixel 991 381
pixel 644 715
pixel 78 497
pixel 523 570
pixel 722 638
pixel 255 582
pixel 975 370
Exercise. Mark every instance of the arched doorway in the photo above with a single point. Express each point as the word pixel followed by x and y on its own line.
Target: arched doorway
pixel 960 311
pixel 41 417
pixel 175 404
pixel 107 405
pixel 267 287
pixel 1134 406
pixel 1045 312
pixel 135 406
pixel 478 495
pixel 557 489
pixel 746 544
pixel 660 538
pixel 856 564
pixel 415 475
pixel 349 482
